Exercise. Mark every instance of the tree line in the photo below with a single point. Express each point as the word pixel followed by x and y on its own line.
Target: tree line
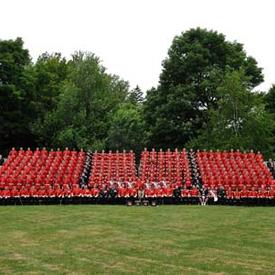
pixel 205 99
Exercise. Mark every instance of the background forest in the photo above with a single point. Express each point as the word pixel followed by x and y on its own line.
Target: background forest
pixel 206 98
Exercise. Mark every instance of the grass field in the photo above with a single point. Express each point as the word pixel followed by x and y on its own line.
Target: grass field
pixel 90 239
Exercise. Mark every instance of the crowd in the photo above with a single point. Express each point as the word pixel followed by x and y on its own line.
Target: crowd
pixel 179 176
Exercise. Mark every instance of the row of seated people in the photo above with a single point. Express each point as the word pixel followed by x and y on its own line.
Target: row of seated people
pixel 234 170
pixel 25 168
pixel 95 192
pixel 231 154
pixel 252 194
pixel 112 167
pixel 129 192
pixel 170 166
pixel 57 173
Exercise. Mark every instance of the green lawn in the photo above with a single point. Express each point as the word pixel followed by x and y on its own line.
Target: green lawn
pixel 90 239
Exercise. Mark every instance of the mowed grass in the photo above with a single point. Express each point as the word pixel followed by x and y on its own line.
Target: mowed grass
pixel 94 239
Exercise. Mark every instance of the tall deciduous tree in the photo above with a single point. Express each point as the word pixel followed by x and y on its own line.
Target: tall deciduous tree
pixel 240 119
pixel 88 98
pixel 50 70
pixel 196 64
pixel 16 95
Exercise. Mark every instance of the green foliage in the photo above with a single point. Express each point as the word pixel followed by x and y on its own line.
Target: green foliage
pixel 135 96
pixel 196 64
pixel 204 99
pixel 87 99
pixel 165 123
pixel 239 121
pixel 270 100
pixel 50 71
pixel 16 95
pixel 126 129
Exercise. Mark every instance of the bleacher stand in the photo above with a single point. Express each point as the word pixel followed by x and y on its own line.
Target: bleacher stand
pixel 243 176
pixel 166 174
pixel 113 174
pixel 41 174
pixel 164 177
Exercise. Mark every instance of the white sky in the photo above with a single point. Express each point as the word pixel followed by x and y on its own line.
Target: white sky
pixel 132 37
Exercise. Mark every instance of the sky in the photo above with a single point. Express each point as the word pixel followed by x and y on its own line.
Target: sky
pixel 133 37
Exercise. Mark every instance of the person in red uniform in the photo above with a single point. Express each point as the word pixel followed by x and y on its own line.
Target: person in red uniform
pixel 95 192
pixel 261 196
pixel 132 192
pixel 253 196
pixel 237 196
pixel 149 193
pixel 6 194
pixel 169 191
pixel 229 195
pixel 244 195
pixel 121 191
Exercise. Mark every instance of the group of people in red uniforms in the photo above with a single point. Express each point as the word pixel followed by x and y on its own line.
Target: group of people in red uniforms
pixel 234 170
pixel 170 166
pixel 42 174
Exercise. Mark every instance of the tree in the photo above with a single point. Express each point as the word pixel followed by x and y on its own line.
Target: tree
pixel 270 100
pixel 87 100
pixel 50 71
pixel 240 119
pixel 136 95
pixel 126 128
pixel 196 64
pixel 16 95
